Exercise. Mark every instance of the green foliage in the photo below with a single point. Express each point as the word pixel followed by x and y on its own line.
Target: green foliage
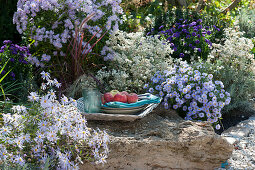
pixel 18 81
pixel 247 22
pixel 240 84
pixel 136 16
pixel 233 64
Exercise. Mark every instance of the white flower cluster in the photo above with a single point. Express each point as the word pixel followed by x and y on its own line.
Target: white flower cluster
pixel 236 51
pixel 50 130
pixel 135 59
pixel 53 21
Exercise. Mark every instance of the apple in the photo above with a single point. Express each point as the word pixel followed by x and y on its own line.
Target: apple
pixel 108 97
pixel 120 97
pixel 124 92
pixel 114 92
pixel 132 98
pixel 102 99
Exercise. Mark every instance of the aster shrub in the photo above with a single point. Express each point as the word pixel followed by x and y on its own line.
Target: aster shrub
pixel 233 63
pixel 194 94
pixel 19 64
pixel 134 59
pixel 49 24
pixel 18 57
pixel 49 131
pixel 189 40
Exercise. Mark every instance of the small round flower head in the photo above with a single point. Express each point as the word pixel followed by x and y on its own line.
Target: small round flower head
pixel 217 126
pixel 45 75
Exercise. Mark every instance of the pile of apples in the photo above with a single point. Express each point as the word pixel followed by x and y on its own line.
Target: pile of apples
pixel 117 96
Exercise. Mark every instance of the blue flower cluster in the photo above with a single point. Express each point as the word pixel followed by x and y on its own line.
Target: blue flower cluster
pixel 187 90
pixel 16 55
pixel 187 39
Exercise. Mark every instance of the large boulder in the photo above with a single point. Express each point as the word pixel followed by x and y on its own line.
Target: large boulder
pixel 162 140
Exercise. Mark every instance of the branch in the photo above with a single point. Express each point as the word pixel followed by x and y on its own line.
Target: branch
pixel 200 4
pixel 231 6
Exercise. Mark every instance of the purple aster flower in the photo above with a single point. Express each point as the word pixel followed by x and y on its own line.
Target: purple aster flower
pixel 12 60
pixel 175 48
pixel 162 26
pixel 181 55
pixel 14 52
pixel 199 27
pixel 194 47
pixel 1 51
pixel 199 50
pixel 169 38
pixel 209 32
pixel 185 44
pixel 214 26
pixel 12 74
pixel 3 72
pixel 175 35
pixel 192 24
pixel 184 30
pixel 171 44
pixel 190 45
pixel 3 47
pixel 199 20
pixel 198 35
pixel 217 29
pixel 188 36
pixel 193 34
pixel 197 41
pixel 7 42
pixel 195 30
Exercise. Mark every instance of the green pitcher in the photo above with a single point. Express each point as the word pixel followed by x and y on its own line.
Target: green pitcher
pixel 91 100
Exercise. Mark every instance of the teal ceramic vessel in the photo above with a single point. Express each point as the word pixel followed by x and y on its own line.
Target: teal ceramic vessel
pixel 91 100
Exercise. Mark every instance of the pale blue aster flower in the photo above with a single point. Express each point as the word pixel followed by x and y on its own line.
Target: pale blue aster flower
pixel 211 94
pixel 201 114
pixel 151 90
pixel 175 106
pixel 222 95
pixel 215 104
pixel 187 96
pixel 161 94
pixel 146 86
pixel 190 108
pixel 217 126
pixel 166 105
pixel 184 108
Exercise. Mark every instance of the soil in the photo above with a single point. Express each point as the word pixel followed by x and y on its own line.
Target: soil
pixel 233 118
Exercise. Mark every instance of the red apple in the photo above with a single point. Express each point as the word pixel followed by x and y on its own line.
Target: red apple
pixel 132 98
pixel 120 97
pixel 102 99
pixel 108 97
pixel 124 92
pixel 114 92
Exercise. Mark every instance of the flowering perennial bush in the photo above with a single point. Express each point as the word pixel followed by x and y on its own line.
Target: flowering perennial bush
pixel 50 130
pixel 50 23
pixel 18 57
pixel 193 94
pixel 188 40
pixel 234 65
pixel 135 59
